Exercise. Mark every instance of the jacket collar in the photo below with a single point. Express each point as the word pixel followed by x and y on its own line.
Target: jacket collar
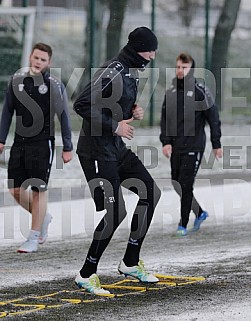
pixel 185 83
pixel 132 59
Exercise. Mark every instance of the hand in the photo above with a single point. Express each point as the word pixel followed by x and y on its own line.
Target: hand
pixel 67 156
pixel 167 150
pixel 218 153
pixel 124 129
pixel 1 148
pixel 138 112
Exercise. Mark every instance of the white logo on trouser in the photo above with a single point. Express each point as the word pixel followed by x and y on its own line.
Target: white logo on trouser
pixel 133 241
pixel 111 199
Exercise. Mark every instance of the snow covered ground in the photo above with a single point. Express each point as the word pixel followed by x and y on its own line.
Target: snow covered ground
pixel 220 252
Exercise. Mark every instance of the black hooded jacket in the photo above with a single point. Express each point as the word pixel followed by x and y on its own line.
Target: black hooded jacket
pixel 108 99
pixel 186 109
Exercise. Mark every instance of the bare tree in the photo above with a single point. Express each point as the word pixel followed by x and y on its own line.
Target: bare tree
pixel 113 33
pixel 221 41
pixel 186 10
pixel 94 60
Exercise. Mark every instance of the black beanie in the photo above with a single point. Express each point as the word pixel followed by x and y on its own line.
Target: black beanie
pixel 142 39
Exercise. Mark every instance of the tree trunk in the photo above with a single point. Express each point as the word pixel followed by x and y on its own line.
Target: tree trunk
pixel 186 12
pixel 96 58
pixel 224 28
pixel 113 34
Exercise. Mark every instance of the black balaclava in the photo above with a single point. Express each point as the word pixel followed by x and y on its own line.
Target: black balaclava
pixel 140 39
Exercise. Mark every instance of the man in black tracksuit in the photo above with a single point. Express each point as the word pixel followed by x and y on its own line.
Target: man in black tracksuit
pixel 186 109
pixel 107 105
pixel 34 97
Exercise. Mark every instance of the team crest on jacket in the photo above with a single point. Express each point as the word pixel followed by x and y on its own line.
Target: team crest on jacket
pixel 43 89
pixel 20 87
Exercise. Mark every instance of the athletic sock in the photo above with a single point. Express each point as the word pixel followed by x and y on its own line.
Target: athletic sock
pixel 33 235
pixel 131 257
pixel 89 267
pixel 200 212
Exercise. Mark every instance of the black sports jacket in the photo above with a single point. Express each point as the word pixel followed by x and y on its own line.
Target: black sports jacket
pixel 106 100
pixel 35 100
pixel 186 109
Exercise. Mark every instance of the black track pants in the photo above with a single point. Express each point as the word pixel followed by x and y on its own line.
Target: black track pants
pixel 105 179
pixel 184 167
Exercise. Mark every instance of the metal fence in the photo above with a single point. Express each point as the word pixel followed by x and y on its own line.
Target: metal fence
pixel 64 29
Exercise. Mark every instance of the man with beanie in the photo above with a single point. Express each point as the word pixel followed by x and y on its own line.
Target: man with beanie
pixel 187 107
pixel 108 108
